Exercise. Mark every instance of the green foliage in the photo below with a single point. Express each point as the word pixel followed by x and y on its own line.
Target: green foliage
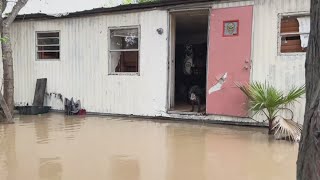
pixel 265 98
pixel 4 39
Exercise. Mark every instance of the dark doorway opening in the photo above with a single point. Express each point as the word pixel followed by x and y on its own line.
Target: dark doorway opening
pixel 190 60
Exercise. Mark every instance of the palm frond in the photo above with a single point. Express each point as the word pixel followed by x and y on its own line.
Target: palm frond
pixel 294 94
pixel 265 98
pixel 287 129
pixel 262 96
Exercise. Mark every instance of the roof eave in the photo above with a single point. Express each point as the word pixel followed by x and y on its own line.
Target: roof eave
pixel 121 8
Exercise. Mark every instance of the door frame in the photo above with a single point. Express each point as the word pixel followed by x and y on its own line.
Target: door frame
pixel 172 48
pixel 171 61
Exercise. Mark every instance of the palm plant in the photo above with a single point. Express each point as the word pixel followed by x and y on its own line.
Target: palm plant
pixel 265 98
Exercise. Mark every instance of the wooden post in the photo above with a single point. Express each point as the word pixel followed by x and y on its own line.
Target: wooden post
pixel 40 91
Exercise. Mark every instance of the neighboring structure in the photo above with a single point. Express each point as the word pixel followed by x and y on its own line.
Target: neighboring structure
pixel 131 60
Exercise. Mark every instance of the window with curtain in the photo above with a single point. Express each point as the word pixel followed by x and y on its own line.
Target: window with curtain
pixel 294 33
pixel 124 50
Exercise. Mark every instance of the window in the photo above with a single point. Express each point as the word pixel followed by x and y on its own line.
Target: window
pixel 294 33
pixel 124 50
pixel 48 45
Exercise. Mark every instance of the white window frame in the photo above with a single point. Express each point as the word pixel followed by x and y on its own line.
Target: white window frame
pixel 110 71
pixel 36 45
pixel 280 15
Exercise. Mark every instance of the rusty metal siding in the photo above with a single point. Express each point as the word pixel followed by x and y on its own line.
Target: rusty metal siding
pixel 82 71
pixel 283 71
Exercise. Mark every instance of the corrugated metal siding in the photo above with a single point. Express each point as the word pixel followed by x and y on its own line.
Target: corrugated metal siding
pixel 232 4
pixel 82 72
pixel 283 71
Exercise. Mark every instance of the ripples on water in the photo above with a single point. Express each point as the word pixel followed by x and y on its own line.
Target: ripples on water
pixel 55 147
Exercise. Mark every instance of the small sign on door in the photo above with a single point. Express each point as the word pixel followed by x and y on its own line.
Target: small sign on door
pixel 230 28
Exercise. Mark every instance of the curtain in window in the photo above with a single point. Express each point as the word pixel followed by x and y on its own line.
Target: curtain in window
pixel 304 29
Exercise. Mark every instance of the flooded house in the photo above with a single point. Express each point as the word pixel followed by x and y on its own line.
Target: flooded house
pixel 143 59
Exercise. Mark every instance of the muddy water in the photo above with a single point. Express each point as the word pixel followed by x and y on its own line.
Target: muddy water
pixel 54 147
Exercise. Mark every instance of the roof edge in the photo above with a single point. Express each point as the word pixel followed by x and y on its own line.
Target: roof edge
pixel 121 8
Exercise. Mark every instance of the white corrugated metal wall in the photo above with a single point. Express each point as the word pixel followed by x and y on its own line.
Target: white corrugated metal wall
pixel 82 72
pixel 218 5
pixel 283 71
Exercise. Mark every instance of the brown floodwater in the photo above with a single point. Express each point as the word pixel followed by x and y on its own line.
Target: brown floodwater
pixel 55 147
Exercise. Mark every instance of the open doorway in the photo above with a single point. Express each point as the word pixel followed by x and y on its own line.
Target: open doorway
pixel 189 52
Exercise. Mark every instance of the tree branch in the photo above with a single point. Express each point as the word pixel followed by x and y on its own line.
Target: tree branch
pixel 13 14
pixel 4 5
pixel 1 4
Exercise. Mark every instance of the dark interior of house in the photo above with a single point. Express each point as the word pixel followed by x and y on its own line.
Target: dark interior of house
pixel 128 62
pixel 190 58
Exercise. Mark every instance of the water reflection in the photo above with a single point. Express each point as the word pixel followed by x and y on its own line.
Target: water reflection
pixel 41 127
pixel 186 153
pixel 228 153
pixel 50 168
pixel 55 147
pixel 8 159
pixel 72 125
pixel 124 168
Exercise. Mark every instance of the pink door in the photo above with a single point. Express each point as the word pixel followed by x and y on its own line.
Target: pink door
pixel 229 60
